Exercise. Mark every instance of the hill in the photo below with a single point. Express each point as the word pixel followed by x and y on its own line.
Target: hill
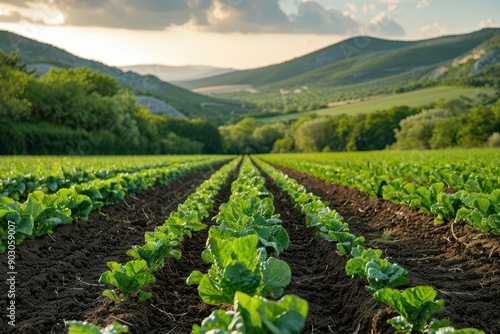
pixel 172 74
pixel 42 57
pixel 355 68
pixel 412 99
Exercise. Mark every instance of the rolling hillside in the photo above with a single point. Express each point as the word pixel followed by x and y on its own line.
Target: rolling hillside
pixel 178 101
pixel 412 99
pixel 355 60
pixel 357 68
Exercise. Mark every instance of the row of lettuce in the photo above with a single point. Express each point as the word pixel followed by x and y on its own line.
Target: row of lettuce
pixel 20 176
pixel 458 186
pixel 414 305
pixel 242 248
pixel 164 241
pixel 41 212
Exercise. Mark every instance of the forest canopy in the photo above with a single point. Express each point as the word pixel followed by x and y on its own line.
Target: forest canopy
pixel 79 111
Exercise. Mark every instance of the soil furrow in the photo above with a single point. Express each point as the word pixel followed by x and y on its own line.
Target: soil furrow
pixel 57 275
pixel 175 306
pixel 337 303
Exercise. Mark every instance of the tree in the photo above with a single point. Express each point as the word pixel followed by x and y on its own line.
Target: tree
pixel 13 60
pixel 13 104
pixel 378 129
pixel 476 127
pixel 266 135
pixel 238 137
pixel 87 80
pixel 283 145
pixel 312 136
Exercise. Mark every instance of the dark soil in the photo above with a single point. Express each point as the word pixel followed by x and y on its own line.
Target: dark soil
pixel 57 276
pixel 462 264
pixel 337 303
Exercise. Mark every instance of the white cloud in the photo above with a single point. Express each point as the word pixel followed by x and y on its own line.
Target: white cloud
pixel 423 4
pixel 486 23
pixel 352 7
pixel 383 24
pixel 434 29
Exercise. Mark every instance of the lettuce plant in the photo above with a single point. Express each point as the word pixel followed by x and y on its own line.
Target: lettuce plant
pixel 251 215
pixel 154 253
pixel 128 278
pixel 415 306
pixel 79 327
pixel 482 211
pixel 24 223
pixel 379 273
pixel 257 315
pixel 447 206
pixel 239 265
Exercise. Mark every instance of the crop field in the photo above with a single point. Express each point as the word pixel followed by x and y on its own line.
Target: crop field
pixel 378 242
pixel 411 99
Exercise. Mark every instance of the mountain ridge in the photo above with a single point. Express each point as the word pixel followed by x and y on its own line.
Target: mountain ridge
pixel 352 56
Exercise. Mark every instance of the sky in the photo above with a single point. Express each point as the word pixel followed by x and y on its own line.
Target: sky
pixel 236 34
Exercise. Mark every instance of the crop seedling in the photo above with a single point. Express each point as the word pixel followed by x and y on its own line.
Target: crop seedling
pixel 129 278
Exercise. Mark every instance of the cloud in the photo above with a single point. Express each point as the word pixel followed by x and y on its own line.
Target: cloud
pixel 383 24
pixel 10 17
pixel 423 4
pixel 247 16
pixel 314 18
pixel 222 16
pixel 352 7
pixel 434 29
pixel 131 14
pixel 486 23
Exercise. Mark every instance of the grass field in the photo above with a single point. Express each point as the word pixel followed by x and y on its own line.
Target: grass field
pixel 412 99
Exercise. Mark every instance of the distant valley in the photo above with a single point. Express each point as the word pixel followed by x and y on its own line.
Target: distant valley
pixel 173 74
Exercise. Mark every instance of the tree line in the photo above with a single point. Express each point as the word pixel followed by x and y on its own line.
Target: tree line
pixel 79 111
pixel 456 123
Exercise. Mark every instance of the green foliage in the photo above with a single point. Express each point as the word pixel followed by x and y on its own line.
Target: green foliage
pixel 154 253
pixel 238 137
pixel 14 80
pixel 251 215
pixel 379 273
pixel 128 278
pixel 408 179
pixel 481 211
pixel 447 206
pixel 349 71
pixel 239 265
pixel 257 315
pixel 40 213
pixel 456 123
pixel 80 111
pixel 79 327
pixel 415 306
